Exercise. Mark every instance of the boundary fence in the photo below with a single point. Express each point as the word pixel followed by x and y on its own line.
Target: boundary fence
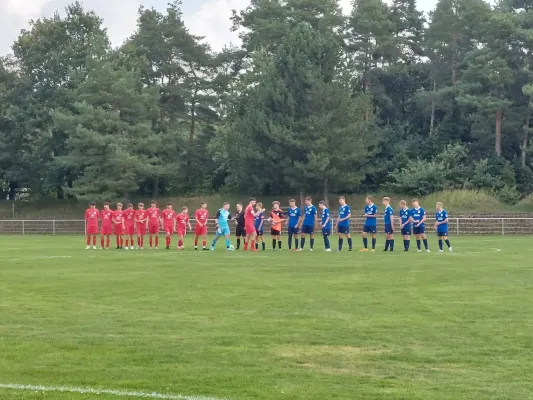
pixel 456 226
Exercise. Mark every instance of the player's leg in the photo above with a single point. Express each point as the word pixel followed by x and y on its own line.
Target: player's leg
pixel 364 234
pixel 391 241
pixel 215 239
pixel 290 232
pixel 311 241
pixel 227 235
pixel 325 235
pixel 296 235
pixel 196 236
pixel 374 239
pixel 425 241
pixel 88 246
pixel 349 239
pixel 108 239
pixel 278 237
pixel 341 239
pixel 302 239
pixel 204 238
pixel 447 241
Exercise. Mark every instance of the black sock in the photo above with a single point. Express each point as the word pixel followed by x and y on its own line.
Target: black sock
pixel 274 244
pixel 296 244
pixel 350 243
pixel 238 243
pixel 406 244
pixel 302 243
pixel 263 244
pixel 392 245
pixel 448 243
pixel 341 241
pixel 418 244
pixel 373 243
pixel 311 243
pixel 440 244
pixel 426 244
pixel 290 241
pixel 279 244
pixel 365 243
pixel 256 245
pixel 326 242
pixel 387 244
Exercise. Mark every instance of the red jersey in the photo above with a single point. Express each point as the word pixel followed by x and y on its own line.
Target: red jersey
pixel 118 216
pixel 168 216
pixel 129 216
pixel 153 215
pixel 201 216
pixel 106 216
pixel 182 220
pixel 91 216
pixel 140 216
pixel 248 216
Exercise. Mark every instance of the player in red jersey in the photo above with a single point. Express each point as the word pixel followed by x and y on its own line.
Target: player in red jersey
pixel 182 222
pixel 106 215
pixel 129 225
pixel 200 229
pixel 118 222
pixel 249 224
pixel 169 221
pixel 91 219
pixel 154 218
pixel 141 220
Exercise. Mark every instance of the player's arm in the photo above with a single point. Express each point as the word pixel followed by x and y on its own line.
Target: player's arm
pixel 424 217
pixel 261 223
pixel 326 221
pixel 316 219
pixel 392 222
pixel 189 224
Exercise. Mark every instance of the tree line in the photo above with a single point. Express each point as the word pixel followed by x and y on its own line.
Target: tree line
pixel 385 98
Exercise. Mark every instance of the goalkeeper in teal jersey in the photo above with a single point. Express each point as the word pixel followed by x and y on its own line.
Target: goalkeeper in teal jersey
pixel 222 218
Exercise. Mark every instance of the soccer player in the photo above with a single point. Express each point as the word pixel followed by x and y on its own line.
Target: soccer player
pixel 182 222
pixel 405 224
pixel 118 222
pixel 259 222
pixel 343 223
pixel 388 217
pixel 222 217
pixel 153 224
pixel 91 219
pixel 106 215
pixel 293 223
pixel 418 218
pixel 129 225
pixel 325 224
pixel 441 225
pixel 249 225
pixel 141 220
pixel 371 211
pixel 239 230
pixel 168 217
pixel 200 229
pixel 276 218
pixel 309 223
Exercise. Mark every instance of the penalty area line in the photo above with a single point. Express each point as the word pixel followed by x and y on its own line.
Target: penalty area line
pixel 114 392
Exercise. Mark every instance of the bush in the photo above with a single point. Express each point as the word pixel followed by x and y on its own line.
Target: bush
pixel 464 200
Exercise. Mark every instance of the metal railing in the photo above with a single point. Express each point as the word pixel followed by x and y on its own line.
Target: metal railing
pixel 457 226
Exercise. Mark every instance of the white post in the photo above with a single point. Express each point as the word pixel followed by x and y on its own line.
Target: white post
pixel 13 209
pixel 22 227
pixel 457 226
pixel 53 227
pixel 503 228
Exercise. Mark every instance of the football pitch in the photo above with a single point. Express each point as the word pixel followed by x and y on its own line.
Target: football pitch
pixel 92 324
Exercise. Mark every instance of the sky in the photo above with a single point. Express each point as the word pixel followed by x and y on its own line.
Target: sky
pixel 209 18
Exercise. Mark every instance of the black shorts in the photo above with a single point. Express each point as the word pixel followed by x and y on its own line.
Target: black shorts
pixel 240 231
pixel 275 232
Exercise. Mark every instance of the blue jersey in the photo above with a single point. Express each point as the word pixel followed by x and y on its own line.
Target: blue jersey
pixel 309 217
pixel 389 213
pixel 326 217
pixel 294 217
pixel 259 217
pixel 442 216
pixel 222 218
pixel 371 210
pixel 417 214
pixel 405 215
pixel 344 211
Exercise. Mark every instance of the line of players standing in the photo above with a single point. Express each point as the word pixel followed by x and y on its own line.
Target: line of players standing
pixel 250 223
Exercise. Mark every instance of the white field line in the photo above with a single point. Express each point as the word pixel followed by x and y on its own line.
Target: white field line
pixel 38 258
pixel 88 390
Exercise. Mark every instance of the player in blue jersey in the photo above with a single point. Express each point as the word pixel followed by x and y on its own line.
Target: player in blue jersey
pixel 343 223
pixel 325 224
pixel 308 225
pixel 222 217
pixel 259 222
pixel 388 217
pixel 371 211
pixel 418 218
pixel 441 225
pixel 405 224
pixel 293 223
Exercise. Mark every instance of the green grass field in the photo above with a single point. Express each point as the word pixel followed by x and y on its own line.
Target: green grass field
pixel 273 325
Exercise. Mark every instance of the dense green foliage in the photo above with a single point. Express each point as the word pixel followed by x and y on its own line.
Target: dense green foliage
pixel 383 99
